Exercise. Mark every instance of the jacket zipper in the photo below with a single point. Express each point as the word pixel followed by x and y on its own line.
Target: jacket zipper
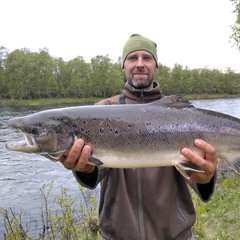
pixel 140 200
pixel 140 206
pixel 142 96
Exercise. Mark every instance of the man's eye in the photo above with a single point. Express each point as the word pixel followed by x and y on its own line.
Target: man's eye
pixel 148 58
pixel 132 58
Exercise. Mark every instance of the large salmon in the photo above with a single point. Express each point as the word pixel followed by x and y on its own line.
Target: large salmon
pixel 131 136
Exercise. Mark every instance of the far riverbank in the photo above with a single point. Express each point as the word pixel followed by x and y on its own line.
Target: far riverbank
pixel 92 100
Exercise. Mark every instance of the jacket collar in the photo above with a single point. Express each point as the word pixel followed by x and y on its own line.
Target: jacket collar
pixel 142 95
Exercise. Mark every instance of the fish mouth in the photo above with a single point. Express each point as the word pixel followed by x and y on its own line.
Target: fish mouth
pixel 27 146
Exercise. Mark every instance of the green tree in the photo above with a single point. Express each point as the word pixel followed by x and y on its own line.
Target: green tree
pixel 78 72
pixel 106 77
pixel 235 35
pixel 44 74
pixel 231 82
pixel 177 79
pixel 163 77
pixel 30 74
pixel 115 80
pixel 15 74
pixel 3 88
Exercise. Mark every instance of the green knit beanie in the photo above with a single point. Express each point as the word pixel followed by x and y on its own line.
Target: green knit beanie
pixel 137 42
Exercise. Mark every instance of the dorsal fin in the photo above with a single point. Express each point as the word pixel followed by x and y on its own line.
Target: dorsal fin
pixel 176 100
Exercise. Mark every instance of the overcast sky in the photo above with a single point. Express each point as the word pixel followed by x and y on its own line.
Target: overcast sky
pixel 193 33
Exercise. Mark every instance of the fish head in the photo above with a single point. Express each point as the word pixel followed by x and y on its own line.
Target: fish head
pixel 51 137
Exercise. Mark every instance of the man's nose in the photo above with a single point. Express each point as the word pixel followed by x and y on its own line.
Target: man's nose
pixel 140 63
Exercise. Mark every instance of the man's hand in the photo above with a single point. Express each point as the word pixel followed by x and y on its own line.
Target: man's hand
pixel 208 163
pixel 77 158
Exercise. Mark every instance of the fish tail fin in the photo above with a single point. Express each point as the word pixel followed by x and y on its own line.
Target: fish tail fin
pixel 187 168
pixel 235 164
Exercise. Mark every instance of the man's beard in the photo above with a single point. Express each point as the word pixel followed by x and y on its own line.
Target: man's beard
pixel 140 84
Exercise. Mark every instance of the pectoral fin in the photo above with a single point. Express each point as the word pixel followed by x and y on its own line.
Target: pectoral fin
pixel 95 161
pixel 186 168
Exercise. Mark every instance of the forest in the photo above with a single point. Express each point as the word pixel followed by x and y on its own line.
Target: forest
pixel 34 75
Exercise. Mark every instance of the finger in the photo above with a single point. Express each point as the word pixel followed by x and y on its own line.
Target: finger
pixel 71 159
pixel 210 155
pixel 194 158
pixel 208 149
pixel 83 159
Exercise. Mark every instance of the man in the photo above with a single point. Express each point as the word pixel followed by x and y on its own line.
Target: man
pixel 148 203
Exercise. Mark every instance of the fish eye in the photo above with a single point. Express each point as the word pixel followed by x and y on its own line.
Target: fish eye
pixel 32 129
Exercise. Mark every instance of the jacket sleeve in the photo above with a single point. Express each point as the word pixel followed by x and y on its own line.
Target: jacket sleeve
pixel 90 180
pixel 204 191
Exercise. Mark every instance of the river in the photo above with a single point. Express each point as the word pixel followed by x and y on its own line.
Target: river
pixel 22 175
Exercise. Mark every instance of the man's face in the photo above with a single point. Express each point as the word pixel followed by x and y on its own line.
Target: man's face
pixel 139 68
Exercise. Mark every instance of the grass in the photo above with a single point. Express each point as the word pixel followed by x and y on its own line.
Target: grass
pixel 75 219
pixel 81 101
pixel 219 218
pixel 47 101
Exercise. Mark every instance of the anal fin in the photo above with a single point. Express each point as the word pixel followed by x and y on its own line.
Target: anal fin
pixel 187 168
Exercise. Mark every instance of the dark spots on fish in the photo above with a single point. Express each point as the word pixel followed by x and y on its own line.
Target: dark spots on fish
pixel 63 119
pixel 74 126
pixel 88 132
pixel 116 132
pixel 103 131
pixel 56 131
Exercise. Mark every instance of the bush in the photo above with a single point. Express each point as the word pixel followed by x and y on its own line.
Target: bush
pixel 73 218
pixel 76 219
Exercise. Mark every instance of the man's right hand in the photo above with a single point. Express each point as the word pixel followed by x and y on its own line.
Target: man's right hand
pixel 77 158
